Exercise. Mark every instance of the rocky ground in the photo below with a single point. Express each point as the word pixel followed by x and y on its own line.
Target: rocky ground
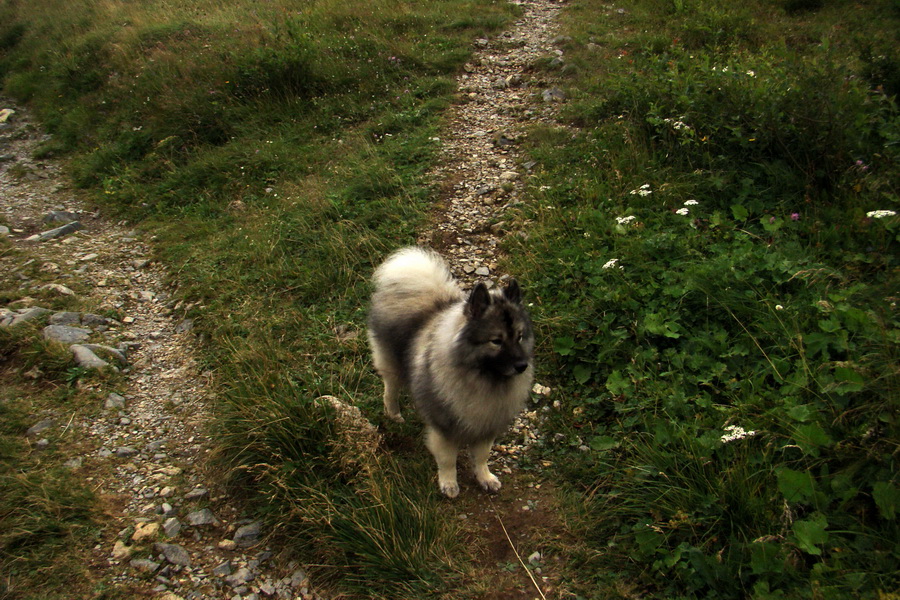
pixel 147 452
pixel 145 456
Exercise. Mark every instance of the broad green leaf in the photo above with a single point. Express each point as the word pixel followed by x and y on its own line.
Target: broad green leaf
pixel 801 412
pixel 603 442
pixel 810 437
pixel 886 495
pixel 617 384
pixel 810 533
pixel 564 346
pixel 796 486
pixel 739 212
pixel 582 373
pixel 851 380
pixel 765 557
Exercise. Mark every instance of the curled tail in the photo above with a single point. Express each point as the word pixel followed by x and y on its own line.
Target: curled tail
pixel 414 280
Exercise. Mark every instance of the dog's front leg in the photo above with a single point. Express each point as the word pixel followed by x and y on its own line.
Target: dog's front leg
pixel 479 453
pixel 444 452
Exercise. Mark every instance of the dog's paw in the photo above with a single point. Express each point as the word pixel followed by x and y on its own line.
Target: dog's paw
pixel 449 488
pixel 489 482
pixel 396 417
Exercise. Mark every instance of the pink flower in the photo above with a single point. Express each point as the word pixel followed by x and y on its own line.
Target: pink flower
pixel 795 216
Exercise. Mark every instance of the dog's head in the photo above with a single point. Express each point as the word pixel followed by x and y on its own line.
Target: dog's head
pixel 498 333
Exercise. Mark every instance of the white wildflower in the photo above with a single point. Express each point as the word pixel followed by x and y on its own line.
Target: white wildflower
pixel 682 211
pixel 644 190
pixel 625 220
pixel 751 73
pixel 612 263
pixel 779 307
pixel 735 432
pixel 691 203
pixel 880 214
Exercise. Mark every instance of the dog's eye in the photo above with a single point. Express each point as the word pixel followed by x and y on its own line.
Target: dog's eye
pixel 519 339
pixel 497 341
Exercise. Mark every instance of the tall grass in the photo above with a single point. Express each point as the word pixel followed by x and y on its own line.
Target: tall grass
pixel 727 158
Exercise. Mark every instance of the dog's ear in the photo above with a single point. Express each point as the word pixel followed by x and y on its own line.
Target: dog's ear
pixel 478 303
pixel 513 292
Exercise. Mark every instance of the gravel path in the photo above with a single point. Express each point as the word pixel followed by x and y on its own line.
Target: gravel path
pixel 176 534
pixel 481 170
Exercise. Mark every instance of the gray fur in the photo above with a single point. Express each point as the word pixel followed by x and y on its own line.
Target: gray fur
pixel 467 360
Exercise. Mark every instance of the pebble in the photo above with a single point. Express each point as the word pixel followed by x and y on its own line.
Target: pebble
pixel 174 554
pixel 202 517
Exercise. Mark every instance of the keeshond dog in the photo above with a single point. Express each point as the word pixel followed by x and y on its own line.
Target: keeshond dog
pixel 466 359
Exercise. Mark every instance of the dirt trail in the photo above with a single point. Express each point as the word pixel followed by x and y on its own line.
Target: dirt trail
pixel 142 448
pixel 482 174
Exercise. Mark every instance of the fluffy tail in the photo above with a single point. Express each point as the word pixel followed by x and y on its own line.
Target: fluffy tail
pixel 414 279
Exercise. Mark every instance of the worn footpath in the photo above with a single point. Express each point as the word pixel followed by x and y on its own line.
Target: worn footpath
pixel 143 451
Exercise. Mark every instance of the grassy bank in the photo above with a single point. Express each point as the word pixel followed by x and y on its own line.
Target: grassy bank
pixel 723 307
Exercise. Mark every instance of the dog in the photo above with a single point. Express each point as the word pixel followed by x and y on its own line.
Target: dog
pixel 467 360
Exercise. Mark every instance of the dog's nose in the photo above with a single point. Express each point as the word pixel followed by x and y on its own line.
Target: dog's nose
pixel 521 366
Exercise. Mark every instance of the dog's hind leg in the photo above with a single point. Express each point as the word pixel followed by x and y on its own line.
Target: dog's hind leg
pixel 444 452
pixel 387 368
pixel 479 453
pixel 391 395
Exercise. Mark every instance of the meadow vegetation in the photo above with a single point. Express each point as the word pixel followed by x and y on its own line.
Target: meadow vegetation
pixel 725 303
pixel 720 323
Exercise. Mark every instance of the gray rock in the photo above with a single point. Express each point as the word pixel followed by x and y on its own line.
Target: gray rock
pixel 172 527
pixel 298 578
pixel 73 463
pixel 114 401
pixel 125 451
pixel 60 216
pixel 144 565
pixel 197 494
pixel 239 577
pixel 55 233
pixel 29 314
pixel 91 320
pixel 223 570
pixel 66 318
pixel 40 427
pixel 174 553
pixel 482 271
pixel 59 289
pixel 66 334
pixel 101 349
pixel 247 535
pixel 553 95
pixel 4 230
pixel 84 357
pixel 185 326
pixel 202 517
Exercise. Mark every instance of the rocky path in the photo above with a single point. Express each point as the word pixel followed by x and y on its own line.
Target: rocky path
pixel 481 170
pixel 482 175
pixel 143 447
pixel 174 533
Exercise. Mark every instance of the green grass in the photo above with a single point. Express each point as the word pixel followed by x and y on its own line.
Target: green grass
pixel 769 305
pixel 279 153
